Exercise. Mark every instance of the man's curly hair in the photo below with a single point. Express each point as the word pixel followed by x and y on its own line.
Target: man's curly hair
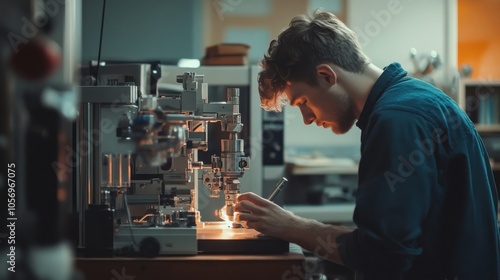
pixel 306 43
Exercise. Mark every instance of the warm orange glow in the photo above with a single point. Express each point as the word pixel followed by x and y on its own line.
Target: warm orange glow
pixel 62 195
pixel 478 43
pixel 221 213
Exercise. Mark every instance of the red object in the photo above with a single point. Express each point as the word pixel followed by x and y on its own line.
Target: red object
pixel 37 59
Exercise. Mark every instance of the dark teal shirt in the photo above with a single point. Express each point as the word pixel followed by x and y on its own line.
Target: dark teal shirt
pixel 426 205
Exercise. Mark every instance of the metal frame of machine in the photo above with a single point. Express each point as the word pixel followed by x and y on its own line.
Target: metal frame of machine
pixel 142 158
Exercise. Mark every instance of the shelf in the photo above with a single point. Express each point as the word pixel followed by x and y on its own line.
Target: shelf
pixel 325 170
pixel 480 99
pixel 214 75
pixel 481 128
pixel 329 213
pixel 321 166
pixel 495 165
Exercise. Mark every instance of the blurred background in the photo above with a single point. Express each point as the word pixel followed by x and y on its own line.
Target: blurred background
pixel 452 44
pixel 460 33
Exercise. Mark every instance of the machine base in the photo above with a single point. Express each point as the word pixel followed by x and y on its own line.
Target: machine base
pixel 154 241
pixel 217 238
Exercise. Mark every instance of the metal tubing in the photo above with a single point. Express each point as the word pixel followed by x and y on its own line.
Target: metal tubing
pixel 96 137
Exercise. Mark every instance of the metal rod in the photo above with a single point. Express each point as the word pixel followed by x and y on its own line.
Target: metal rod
pixel 279 186
pixel 84 170
pixel 96 158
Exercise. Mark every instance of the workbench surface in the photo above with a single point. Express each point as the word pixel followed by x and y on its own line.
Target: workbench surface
pixel 198 267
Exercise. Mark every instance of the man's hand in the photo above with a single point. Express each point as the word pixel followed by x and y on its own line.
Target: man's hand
pixel 272 220
pixel 265 216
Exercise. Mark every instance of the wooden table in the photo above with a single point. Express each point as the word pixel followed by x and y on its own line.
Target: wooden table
pixel 198 267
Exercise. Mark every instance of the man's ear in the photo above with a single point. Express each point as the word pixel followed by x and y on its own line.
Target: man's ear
pixel 326 74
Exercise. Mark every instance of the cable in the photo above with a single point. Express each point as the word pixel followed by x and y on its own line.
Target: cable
pixel 129 219
pixel 100 41
pixel 196 126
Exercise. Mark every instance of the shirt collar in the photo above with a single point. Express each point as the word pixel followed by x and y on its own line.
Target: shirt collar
pixel 391 73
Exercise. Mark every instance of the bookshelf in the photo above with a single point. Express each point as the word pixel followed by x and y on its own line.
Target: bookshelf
pixel 481 101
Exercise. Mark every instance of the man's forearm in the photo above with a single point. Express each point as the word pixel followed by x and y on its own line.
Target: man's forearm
pixel 316 237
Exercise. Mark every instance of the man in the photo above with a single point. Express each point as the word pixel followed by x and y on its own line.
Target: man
pixel 426 204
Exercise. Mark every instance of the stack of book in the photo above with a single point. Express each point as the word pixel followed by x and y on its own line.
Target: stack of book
pixel 489 108
pixel 226 54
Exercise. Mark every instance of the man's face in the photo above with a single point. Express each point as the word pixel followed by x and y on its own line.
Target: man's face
pixel 327 106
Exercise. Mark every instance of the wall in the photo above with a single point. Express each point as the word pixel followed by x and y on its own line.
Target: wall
pixel 388 29
pixel 143 30
pixel 257 22
pixel 478 40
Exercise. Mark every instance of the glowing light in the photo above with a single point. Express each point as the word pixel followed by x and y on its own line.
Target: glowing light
pixel 221 213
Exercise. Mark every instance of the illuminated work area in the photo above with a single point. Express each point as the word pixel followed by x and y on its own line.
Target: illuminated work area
pixel 174 140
